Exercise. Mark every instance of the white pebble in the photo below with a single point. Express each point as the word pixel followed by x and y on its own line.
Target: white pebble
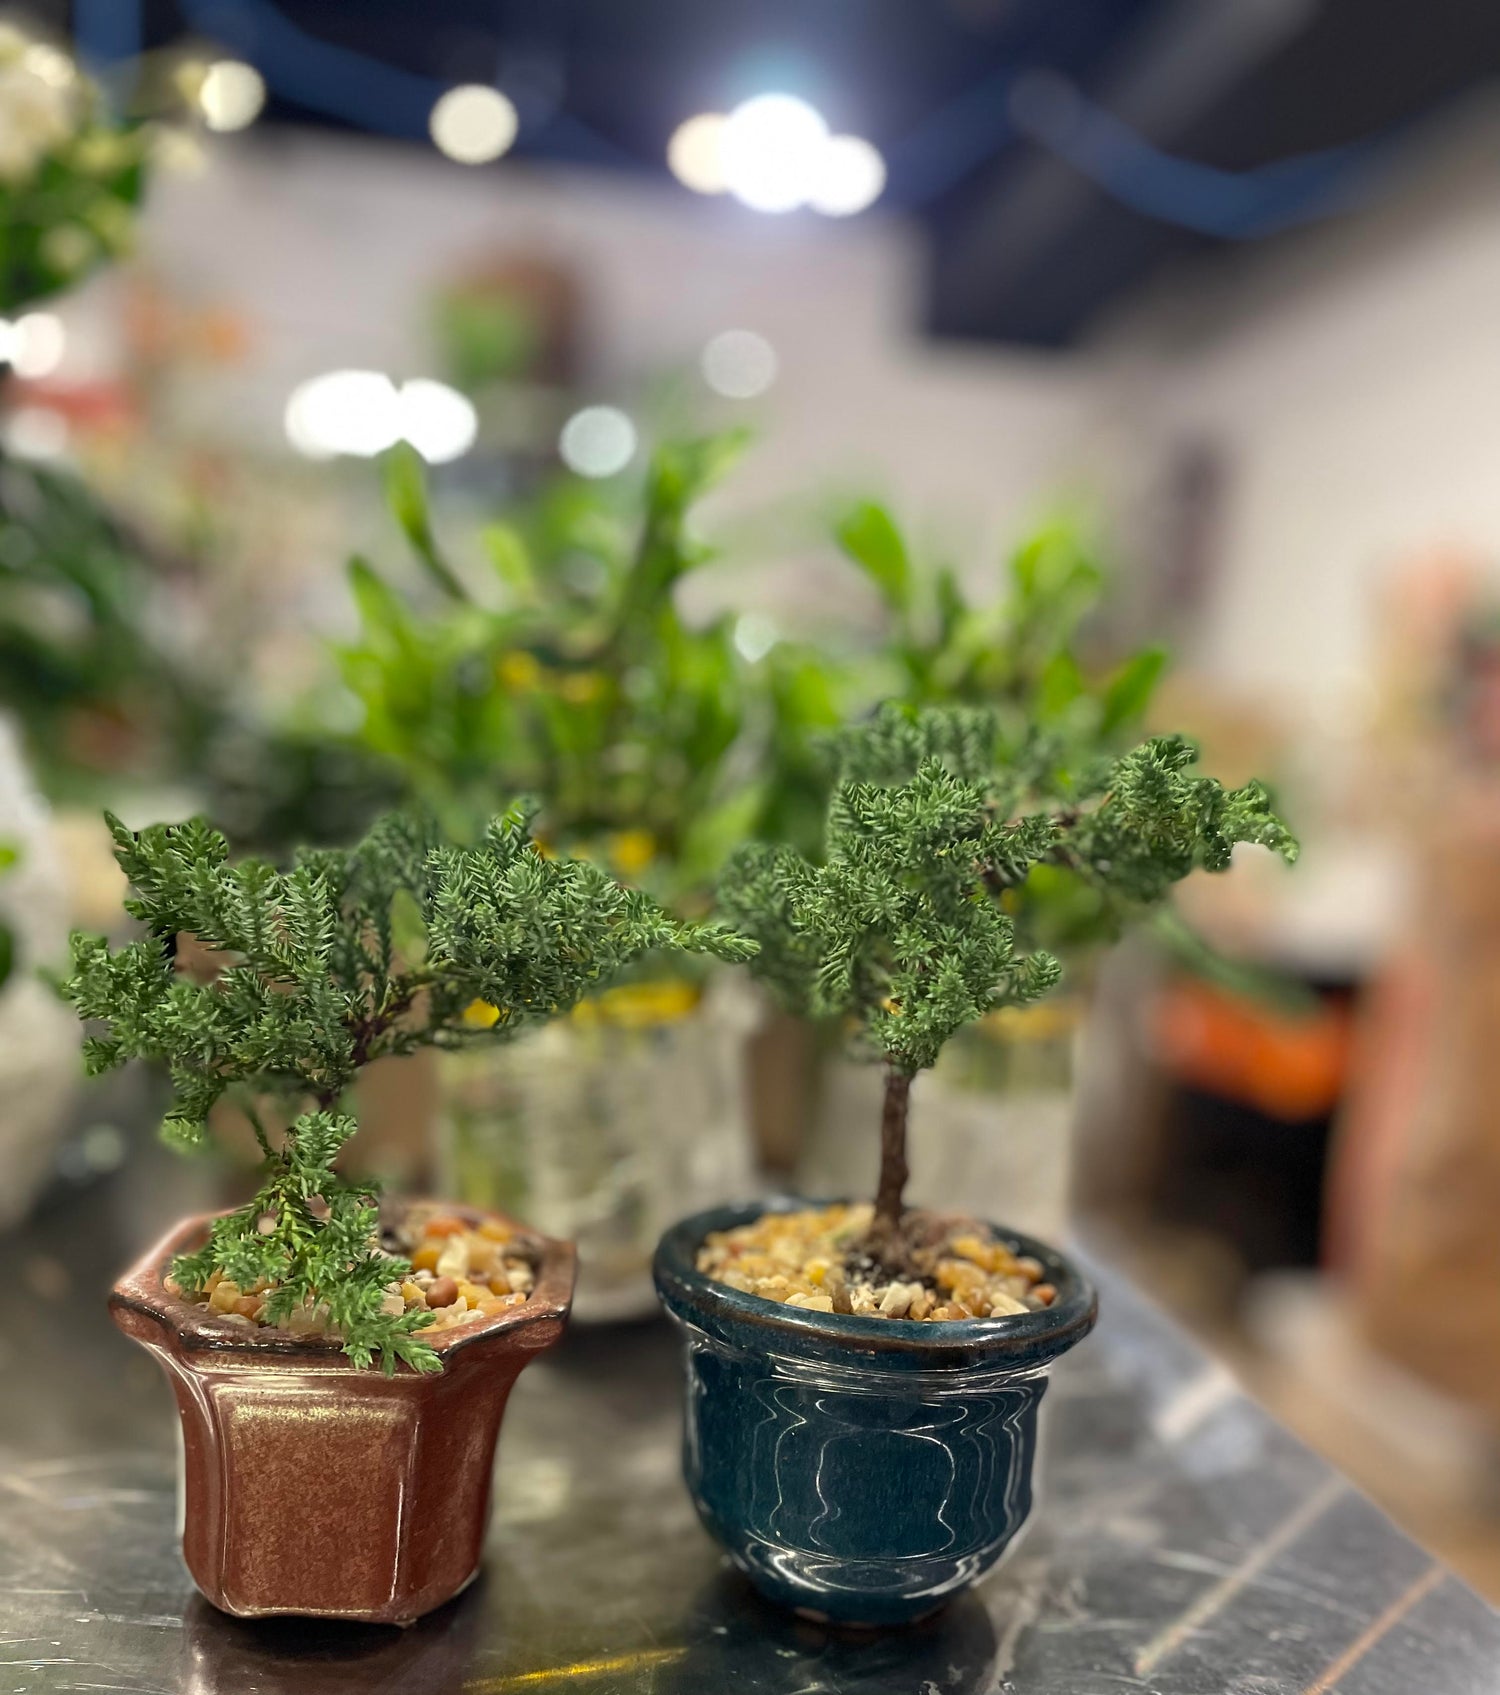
pixel 897 1299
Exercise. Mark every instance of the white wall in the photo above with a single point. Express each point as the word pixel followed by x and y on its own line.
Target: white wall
pixel 329 248
pixel 1352 374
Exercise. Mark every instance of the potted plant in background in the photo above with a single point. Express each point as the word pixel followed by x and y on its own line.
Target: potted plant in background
pixel 995 1117
pixel 341 1369
pixel 561 664
pixel 863 1379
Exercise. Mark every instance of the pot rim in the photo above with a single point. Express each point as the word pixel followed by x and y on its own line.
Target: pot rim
pixel 1041 1334
pixel 142 1290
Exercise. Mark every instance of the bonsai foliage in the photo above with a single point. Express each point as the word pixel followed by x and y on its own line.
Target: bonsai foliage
pixel 904 931
pixel 295 980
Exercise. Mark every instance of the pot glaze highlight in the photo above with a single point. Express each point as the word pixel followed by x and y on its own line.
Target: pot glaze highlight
pixel 314 1487
pixel 860 1470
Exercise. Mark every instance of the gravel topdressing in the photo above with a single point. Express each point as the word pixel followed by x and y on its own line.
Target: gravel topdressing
pixel 817 1259
pixel 460 1272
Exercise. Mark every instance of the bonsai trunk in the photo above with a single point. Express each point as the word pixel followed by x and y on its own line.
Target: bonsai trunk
pixel 889 1203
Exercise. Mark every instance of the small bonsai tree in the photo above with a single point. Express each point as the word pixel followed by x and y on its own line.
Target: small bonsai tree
pixel 903 929
pixel 401 942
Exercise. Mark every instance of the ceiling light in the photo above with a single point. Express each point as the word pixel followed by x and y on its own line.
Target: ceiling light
pixel 357 412
pixel 473 124
pixel 231 95
pixel 693 153
pixel 739 364
pixel 363 413
pixel 850 176
pixel 437 420
pixel 770 151
pixel 598 441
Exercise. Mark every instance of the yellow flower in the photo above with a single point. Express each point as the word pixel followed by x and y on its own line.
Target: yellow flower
pixel 631 851
pixel 580 688
pixel 640 1006
pixel 518 671
pixel 480 1015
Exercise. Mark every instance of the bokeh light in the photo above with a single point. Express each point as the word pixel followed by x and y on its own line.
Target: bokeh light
pixel 850 176
pixel 474 124
pixel 437 420
pixel 693 153
pixel 770 150
pixel 362 413
pixel 231 95
pixel 755 635
pixel 739 364
pixel 33 346
pixel 599 441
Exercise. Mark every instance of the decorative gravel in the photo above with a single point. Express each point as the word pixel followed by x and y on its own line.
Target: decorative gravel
pixel 459 1271
pixel 817 1259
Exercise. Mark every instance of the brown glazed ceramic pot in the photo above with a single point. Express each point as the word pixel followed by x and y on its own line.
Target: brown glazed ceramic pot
pixel 314 1487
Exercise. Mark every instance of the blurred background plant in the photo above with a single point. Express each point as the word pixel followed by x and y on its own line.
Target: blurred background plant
pixel 653 743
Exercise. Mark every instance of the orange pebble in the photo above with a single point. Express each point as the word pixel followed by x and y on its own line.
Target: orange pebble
pixel 248 1306
pixel 444 1227
pixel 472 1293
pixel 494 1231
pixel 426 1257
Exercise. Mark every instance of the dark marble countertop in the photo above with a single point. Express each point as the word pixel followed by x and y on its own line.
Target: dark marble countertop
pixel 1184 1543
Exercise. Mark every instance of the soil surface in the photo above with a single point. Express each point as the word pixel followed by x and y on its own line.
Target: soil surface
pixel 935 1269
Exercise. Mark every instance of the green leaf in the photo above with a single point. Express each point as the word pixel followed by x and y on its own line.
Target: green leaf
pixel 869 536
pixel 379 606
pixel 1060 684
pixel 405 478
pixel 511 558
pixel 1128 692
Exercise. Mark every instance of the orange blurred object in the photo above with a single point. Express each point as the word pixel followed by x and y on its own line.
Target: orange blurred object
pixel 1289 1066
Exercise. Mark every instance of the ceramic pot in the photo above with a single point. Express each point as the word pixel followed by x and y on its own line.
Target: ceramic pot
pixel 860 1470
pixel 314 1487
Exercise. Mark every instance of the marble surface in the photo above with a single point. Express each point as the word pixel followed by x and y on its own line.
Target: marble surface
pixel 1183 1542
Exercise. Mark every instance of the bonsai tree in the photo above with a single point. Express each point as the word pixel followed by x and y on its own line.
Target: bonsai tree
pixel 295 980
pixel 903 931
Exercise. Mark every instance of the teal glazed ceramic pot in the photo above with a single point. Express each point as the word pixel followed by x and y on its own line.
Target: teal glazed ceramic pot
pixel 860 1470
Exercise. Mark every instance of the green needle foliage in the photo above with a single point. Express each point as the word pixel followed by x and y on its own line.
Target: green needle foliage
pixel 903 929
pixel 401 942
